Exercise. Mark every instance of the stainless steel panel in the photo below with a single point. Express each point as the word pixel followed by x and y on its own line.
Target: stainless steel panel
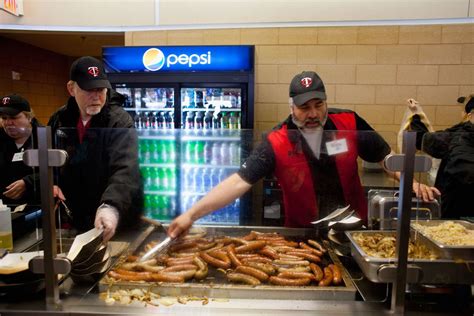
pixel 383 208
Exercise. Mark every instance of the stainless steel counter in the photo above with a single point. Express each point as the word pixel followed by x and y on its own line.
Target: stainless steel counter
pixel 84 300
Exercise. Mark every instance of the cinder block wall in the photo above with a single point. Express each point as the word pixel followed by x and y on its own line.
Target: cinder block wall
pixel 43 76
pixel 371 70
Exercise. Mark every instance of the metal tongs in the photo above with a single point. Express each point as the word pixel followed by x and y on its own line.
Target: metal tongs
pixel 158 248
pixel 336 215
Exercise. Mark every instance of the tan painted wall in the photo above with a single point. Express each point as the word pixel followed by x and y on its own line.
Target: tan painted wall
pixel 43 76
pixel 189 12
pixel 192 13
pixel 371 70
pixel 85 13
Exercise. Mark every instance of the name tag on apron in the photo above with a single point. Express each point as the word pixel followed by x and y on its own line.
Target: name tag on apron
pixel 17 157
pixel 336 147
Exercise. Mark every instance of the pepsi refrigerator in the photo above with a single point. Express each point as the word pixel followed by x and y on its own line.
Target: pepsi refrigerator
pixel 193 109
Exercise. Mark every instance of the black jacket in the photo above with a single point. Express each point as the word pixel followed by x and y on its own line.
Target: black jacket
pixel 12 171
pixel 455 178
pixel 104 167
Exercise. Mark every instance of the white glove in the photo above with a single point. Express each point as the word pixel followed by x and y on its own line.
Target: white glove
pixel 107 218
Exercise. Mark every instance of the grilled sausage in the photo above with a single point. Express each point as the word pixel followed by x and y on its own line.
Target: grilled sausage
pixel 260 275
pixel 242 278
pixel 337 274
pixel 289 282
pixel 327 279
pixel 317 271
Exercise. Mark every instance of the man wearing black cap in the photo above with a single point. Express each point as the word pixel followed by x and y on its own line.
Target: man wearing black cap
pixel 18 183
pixel 101 178
pixel 455 147
pixel 313 154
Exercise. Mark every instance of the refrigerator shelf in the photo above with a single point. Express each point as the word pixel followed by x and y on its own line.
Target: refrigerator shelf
pixel 212 166
pixel 212 109
pixel 158 192
pixel 155 137
pixel 157 109
pixel 210 138
pixel 162 165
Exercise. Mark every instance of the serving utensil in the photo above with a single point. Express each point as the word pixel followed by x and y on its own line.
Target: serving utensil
pixel 161 247
pixel 337 215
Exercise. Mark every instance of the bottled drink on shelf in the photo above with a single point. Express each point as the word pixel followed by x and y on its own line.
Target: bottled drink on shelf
pixel 199 152
pixel 190 120
pixel 234 153
pixel 163 179
pixel 160 120
pixel 146 120
pixel 163 153
pixel 137 120
pixel 233 121
pixel 207 158
pixel 213 176
pixel 208 120
pixel 221 176
pixel 224 121
pixel 199 120
pixel 216 121
pixel 192 102
pixel 237 118
pixel 189 151
pixel 198 179
pixel 183 119
pixel 154 151
pixel 171 149
pixel 225 159
pixel 144 151
pixel 147 205
pixel 198 96
pixel 167 117
pixel 216 153
pixel 145 172
pixel 171 175
pixel 239 101
pixel 155 179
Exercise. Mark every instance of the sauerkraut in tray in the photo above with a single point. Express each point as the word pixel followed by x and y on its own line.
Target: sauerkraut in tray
pixel 449 233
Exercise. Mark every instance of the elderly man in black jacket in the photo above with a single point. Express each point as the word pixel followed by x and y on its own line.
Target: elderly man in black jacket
pixel 101 180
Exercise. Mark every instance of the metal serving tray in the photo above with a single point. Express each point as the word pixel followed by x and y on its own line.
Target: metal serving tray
pixel 440 271
pixel 216 285
pixel 449 251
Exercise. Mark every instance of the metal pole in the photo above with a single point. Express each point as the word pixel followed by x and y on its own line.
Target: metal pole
pixel 403 223
pixel 49 227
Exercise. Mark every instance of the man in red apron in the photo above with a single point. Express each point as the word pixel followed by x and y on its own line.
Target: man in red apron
pixel 313 154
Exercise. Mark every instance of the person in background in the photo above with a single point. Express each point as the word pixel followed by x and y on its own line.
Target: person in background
pixel 313 158
pixel 19 184
pixel 101 179
pixel 455 147
pixel 414 116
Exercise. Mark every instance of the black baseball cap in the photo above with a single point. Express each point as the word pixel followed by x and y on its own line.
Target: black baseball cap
pixel 468 101
pixel 14 104
pixel 306 86
pixel 89 73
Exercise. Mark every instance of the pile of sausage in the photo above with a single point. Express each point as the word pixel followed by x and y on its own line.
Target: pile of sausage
pixel 252 259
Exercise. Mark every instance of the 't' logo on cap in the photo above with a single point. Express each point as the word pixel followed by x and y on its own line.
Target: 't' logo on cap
pixel 5 100
pixel 94 71
pixel 306 82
